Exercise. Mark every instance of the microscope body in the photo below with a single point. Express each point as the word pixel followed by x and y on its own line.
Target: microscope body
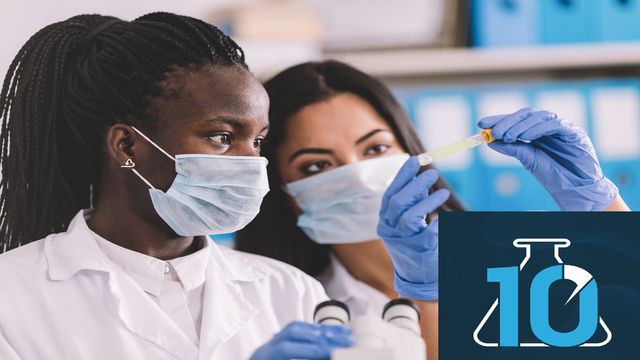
pixel 376 339
pixel 394 336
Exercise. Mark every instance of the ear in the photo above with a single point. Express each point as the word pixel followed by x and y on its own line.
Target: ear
pixel 120 144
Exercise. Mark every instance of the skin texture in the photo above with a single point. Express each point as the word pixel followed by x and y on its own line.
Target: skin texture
pixel 332 133
pixel 204 110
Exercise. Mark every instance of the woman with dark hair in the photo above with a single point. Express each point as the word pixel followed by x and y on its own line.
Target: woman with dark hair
pixel 93 111
pixel 337 139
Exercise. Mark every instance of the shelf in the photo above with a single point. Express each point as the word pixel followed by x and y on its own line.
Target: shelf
pixel 405 63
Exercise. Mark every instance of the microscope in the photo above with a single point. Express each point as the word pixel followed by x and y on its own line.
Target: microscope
pixel 394 336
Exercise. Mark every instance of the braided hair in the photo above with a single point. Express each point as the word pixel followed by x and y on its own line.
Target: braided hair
pixel 67 85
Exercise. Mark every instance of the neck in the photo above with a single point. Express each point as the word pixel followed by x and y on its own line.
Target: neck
pixel 120 225
pixel 368 262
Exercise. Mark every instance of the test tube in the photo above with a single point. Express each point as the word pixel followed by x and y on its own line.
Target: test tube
pixel 483 137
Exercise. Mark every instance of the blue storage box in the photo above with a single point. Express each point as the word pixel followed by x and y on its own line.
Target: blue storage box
pixel 443 116
pixel 505 22
pixel 620 20
pixel 514 189
pixel 615 132
pixel 569 21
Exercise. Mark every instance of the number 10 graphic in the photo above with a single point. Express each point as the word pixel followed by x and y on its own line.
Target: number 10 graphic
pixel 508 279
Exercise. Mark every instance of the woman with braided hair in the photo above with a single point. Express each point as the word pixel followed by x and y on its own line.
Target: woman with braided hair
pixel 122 144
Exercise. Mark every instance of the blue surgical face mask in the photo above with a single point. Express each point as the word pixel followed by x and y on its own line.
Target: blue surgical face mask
pixel 211 194
pixel 341 206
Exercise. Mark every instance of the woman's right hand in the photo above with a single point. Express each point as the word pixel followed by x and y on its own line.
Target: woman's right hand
pixel 402 226
pixel 558 154
pixel 300 340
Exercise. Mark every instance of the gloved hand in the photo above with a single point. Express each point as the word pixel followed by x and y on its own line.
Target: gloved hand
pixel 558 154
pixel 300 340
pixel 411 242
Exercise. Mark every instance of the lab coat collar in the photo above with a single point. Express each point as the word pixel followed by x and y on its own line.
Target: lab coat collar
pixel 74 250
pixel 191 269
pixel 226 310
pixel 234 266
pixel 145 270
pixel 149 272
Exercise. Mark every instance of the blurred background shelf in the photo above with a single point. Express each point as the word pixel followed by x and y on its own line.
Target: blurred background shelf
pixel 469 64
pixel 449 63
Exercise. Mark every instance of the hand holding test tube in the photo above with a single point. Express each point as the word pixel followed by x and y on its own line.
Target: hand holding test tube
pixel 558 154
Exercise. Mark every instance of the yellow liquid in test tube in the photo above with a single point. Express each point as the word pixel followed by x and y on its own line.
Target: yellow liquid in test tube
pixel 483 137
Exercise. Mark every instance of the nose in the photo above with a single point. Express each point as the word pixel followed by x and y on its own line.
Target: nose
pixel 347 158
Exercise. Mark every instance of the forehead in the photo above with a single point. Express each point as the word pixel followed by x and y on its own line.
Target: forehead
pixel 342 118
pixel 211 91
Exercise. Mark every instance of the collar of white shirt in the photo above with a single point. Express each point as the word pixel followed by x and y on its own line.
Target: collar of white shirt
pixel 77 250
pixel 150 273
pixel 228 310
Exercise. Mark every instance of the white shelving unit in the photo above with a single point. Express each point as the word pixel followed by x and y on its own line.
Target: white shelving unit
pixel 468 63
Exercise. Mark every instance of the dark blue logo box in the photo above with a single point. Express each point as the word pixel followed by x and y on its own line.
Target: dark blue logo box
pixel 601 250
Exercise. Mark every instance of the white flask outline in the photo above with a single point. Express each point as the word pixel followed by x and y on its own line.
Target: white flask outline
pixel 526 244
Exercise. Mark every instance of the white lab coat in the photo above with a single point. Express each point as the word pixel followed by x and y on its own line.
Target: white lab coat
pixel 361 298
pixel 61 298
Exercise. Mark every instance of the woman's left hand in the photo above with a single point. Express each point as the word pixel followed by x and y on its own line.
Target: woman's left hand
pixel 411 242
pixel 557 153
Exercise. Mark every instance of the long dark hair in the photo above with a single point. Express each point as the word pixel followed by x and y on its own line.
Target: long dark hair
pixel 274 233
pixel 68 84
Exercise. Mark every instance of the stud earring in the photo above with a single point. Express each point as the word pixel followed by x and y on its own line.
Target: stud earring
pixel 129 164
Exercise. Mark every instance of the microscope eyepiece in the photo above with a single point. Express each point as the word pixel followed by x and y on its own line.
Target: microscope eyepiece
pixel 332 312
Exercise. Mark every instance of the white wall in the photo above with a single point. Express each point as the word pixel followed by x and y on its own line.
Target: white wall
pixel 19 19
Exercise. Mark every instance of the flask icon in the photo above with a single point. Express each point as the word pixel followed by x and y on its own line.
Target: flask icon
pixel 529 285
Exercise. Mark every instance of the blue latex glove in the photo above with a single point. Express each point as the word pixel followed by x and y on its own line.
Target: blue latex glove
pixel 559 155
pixel 411 242
pixel 300 340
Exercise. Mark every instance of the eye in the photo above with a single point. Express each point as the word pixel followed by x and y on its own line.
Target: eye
pixel 258 142
pixel 221 138
pixel 315 167
pixel 377 149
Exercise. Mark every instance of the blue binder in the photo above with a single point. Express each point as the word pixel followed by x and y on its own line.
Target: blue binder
pixel 507 186
pixel 620 20
pixel 623 170
pixel 504 22
pixel 569 21
pixel 459 175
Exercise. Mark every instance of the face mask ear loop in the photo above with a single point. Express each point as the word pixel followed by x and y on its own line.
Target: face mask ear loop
pixel 129 164
pixel 154 144
pixel 143 179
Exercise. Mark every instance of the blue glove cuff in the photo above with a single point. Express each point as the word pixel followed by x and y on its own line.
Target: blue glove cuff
pixel 592 197
pixel 427 292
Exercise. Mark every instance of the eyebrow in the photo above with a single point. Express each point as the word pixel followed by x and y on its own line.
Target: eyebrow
pixel 229 121
pixel 369 134
pixel 309 151
pixel 328 151
pixel 234 122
